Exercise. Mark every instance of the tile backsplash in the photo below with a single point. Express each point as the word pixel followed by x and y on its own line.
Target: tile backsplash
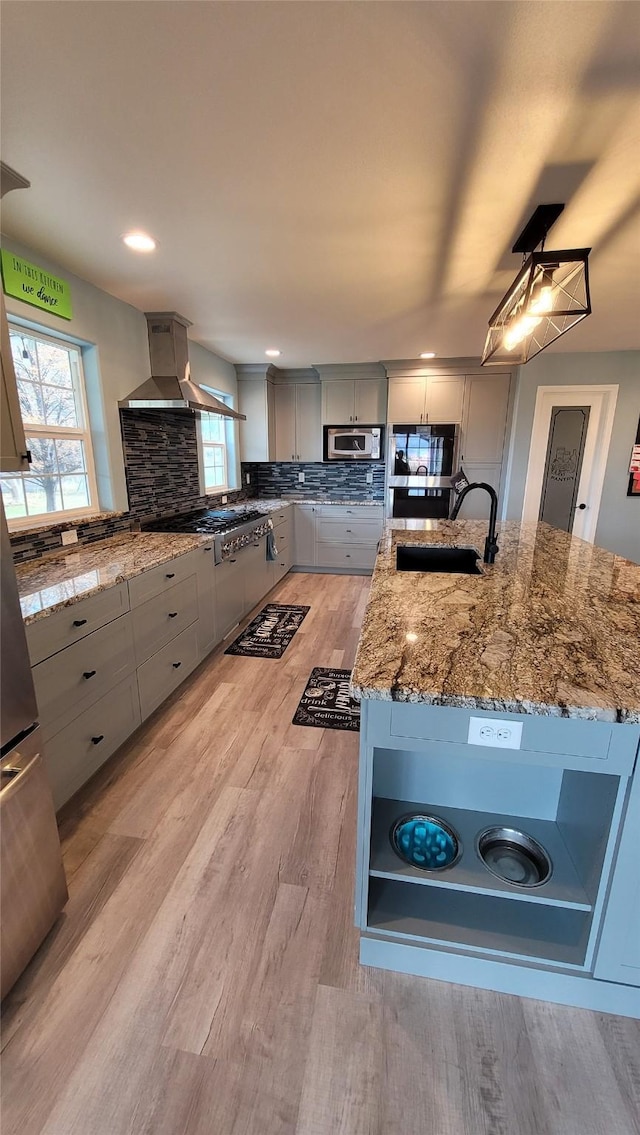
pixel 342 479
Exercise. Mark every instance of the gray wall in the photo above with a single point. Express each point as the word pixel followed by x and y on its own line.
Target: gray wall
pixel 619 520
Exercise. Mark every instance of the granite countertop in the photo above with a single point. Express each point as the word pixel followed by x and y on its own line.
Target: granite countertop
pixel 271 505
pixel 552 628
pixel 62 578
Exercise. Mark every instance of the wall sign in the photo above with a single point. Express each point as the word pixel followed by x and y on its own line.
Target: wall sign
pixel 634 468
pixel 25 281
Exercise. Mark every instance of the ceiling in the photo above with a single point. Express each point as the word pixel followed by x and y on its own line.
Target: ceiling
pixel 343 181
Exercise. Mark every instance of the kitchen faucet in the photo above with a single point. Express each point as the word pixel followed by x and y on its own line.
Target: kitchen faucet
pixel 490 544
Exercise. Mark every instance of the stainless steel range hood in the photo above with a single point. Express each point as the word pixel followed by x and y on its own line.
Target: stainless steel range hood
pixel 170 386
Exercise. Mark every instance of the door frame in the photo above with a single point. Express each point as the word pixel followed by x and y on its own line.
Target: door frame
pixel 602 400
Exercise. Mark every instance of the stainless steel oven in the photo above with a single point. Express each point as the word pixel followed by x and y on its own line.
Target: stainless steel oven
pixel 353 443
pixel 421 460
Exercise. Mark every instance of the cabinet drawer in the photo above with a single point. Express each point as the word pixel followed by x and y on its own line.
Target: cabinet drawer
pixel 565 743
pixel 78 750
pixel 352 556
pixel 348 531
pixel 162 673
pixel 350 511
pixel 163 618
pixel 69 682
pixel 55 632
pixel 159 579
pixel 282 517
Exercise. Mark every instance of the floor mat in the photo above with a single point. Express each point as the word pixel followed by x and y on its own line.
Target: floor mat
pixel 327 703
pixel 269 634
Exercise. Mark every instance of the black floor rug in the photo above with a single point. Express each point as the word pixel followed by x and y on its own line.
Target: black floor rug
pixel 326 702
pixel 269 634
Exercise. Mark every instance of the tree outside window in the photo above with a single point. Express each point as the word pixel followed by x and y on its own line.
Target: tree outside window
pixel 51 393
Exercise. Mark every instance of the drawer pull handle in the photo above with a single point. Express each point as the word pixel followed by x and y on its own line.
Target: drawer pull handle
pixel 79 622
pixel 97 740
pixel 170 574
pixel 232 561
pixel 348 530
pixel 208 548
pixel 176 665
pixel 172 614
pixel 88 674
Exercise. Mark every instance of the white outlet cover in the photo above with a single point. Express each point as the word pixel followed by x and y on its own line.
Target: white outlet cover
pixel 224 500
pixel 70 536
pixel 494 732
pixel 301 478
pixel 369 478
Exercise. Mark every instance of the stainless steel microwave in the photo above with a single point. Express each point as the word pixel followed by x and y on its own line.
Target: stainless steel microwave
pixel 353 443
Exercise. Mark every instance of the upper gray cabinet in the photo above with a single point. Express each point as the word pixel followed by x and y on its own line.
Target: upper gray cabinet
pixel 434 399
pixel 256 400
pixel 298 422
pixel 13 445
pixel 484 423
pixel 354 400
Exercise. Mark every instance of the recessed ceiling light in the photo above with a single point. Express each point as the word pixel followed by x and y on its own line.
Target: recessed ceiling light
pixel 139 241
pixel 272 353
pixel 428 355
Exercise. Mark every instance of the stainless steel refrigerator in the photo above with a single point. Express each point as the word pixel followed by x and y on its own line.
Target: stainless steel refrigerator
pixel 33 885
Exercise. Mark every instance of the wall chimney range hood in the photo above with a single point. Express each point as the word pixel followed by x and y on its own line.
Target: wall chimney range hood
pixel 170 386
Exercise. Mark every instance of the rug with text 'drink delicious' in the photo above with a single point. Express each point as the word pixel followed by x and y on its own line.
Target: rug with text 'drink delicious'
pixel 269 634
pixel 327 703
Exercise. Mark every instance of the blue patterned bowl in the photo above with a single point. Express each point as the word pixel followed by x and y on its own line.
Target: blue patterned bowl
pixel 426 842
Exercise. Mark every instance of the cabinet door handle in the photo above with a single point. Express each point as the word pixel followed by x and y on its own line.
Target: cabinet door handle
pixel 176 665
pixel 232 561
pixel 170 575
pixel 349 530
pixel 208 548
pixel 293 456
pixel 79 622
pixel 88 674
pixel 348 555
pixel 97 740
pixel 172 614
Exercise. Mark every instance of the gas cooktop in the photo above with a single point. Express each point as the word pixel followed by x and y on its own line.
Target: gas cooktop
pixel 206 520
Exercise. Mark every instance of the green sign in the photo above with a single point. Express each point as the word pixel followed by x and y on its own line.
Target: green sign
pixel 27 282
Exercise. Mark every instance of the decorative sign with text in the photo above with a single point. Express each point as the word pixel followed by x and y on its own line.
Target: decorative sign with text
pixel 25 281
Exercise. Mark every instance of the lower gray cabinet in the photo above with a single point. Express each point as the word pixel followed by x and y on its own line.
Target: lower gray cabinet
pixel 618 956
pixel 160 675
pixel 162 618
pixel 257 574
pixel 304 553
pixel 78 750
pixel 229 594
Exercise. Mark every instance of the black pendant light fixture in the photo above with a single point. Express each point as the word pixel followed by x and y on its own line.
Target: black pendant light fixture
pixel 548 297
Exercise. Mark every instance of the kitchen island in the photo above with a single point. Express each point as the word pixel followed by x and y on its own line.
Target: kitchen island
pixel 504 700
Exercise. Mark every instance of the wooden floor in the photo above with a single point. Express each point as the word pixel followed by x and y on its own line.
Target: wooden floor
pixel 204 979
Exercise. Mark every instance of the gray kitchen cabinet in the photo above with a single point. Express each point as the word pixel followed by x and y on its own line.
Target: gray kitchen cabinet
pixel 65 627
pixel 256 572
pixel 70 681
pixel 484 422
pixel 206 575
pixel 354 400
pixel 75 753
pixel 477 505
pixel 304 540
pixel 13 445
pixel 256 399
pixel 618 956
pixel 161 674
pixel 160 619
pixel 229 595
pixel 298 422
pixel 434 399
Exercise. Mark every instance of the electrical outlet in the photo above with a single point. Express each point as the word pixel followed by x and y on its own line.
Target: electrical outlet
pixel 248 478
pixel 301 478
pixel 495 732
pixel 224 500
pixel 369 478
pixel 70 536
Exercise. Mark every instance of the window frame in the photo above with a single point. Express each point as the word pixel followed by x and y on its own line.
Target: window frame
pixel 79 433
pixel 214 490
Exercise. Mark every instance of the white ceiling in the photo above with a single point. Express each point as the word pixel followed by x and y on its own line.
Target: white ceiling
pixel 340 180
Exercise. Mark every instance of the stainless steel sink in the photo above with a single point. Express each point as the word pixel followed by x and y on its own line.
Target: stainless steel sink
pixel 416 557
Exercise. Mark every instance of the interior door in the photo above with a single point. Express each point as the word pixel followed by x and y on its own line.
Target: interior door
pixel 563 466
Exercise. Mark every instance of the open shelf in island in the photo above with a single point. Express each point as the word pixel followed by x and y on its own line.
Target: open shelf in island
pixel 469 874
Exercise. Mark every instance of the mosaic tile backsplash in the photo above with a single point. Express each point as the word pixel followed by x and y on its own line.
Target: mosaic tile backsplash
pixel 341 479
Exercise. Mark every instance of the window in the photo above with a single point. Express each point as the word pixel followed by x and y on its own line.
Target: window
pixel 216 443
pixel 214 453
pixel 61 478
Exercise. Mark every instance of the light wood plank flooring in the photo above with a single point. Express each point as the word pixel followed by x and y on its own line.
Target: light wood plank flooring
pixel 204 979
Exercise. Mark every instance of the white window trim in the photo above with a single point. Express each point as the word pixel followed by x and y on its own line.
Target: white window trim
pixel 215 490
pixel 49 519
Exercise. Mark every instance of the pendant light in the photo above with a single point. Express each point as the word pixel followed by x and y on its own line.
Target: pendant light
pixel 548 297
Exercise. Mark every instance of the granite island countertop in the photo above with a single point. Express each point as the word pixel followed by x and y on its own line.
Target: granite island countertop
pixel 62 578
pixel 552 628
